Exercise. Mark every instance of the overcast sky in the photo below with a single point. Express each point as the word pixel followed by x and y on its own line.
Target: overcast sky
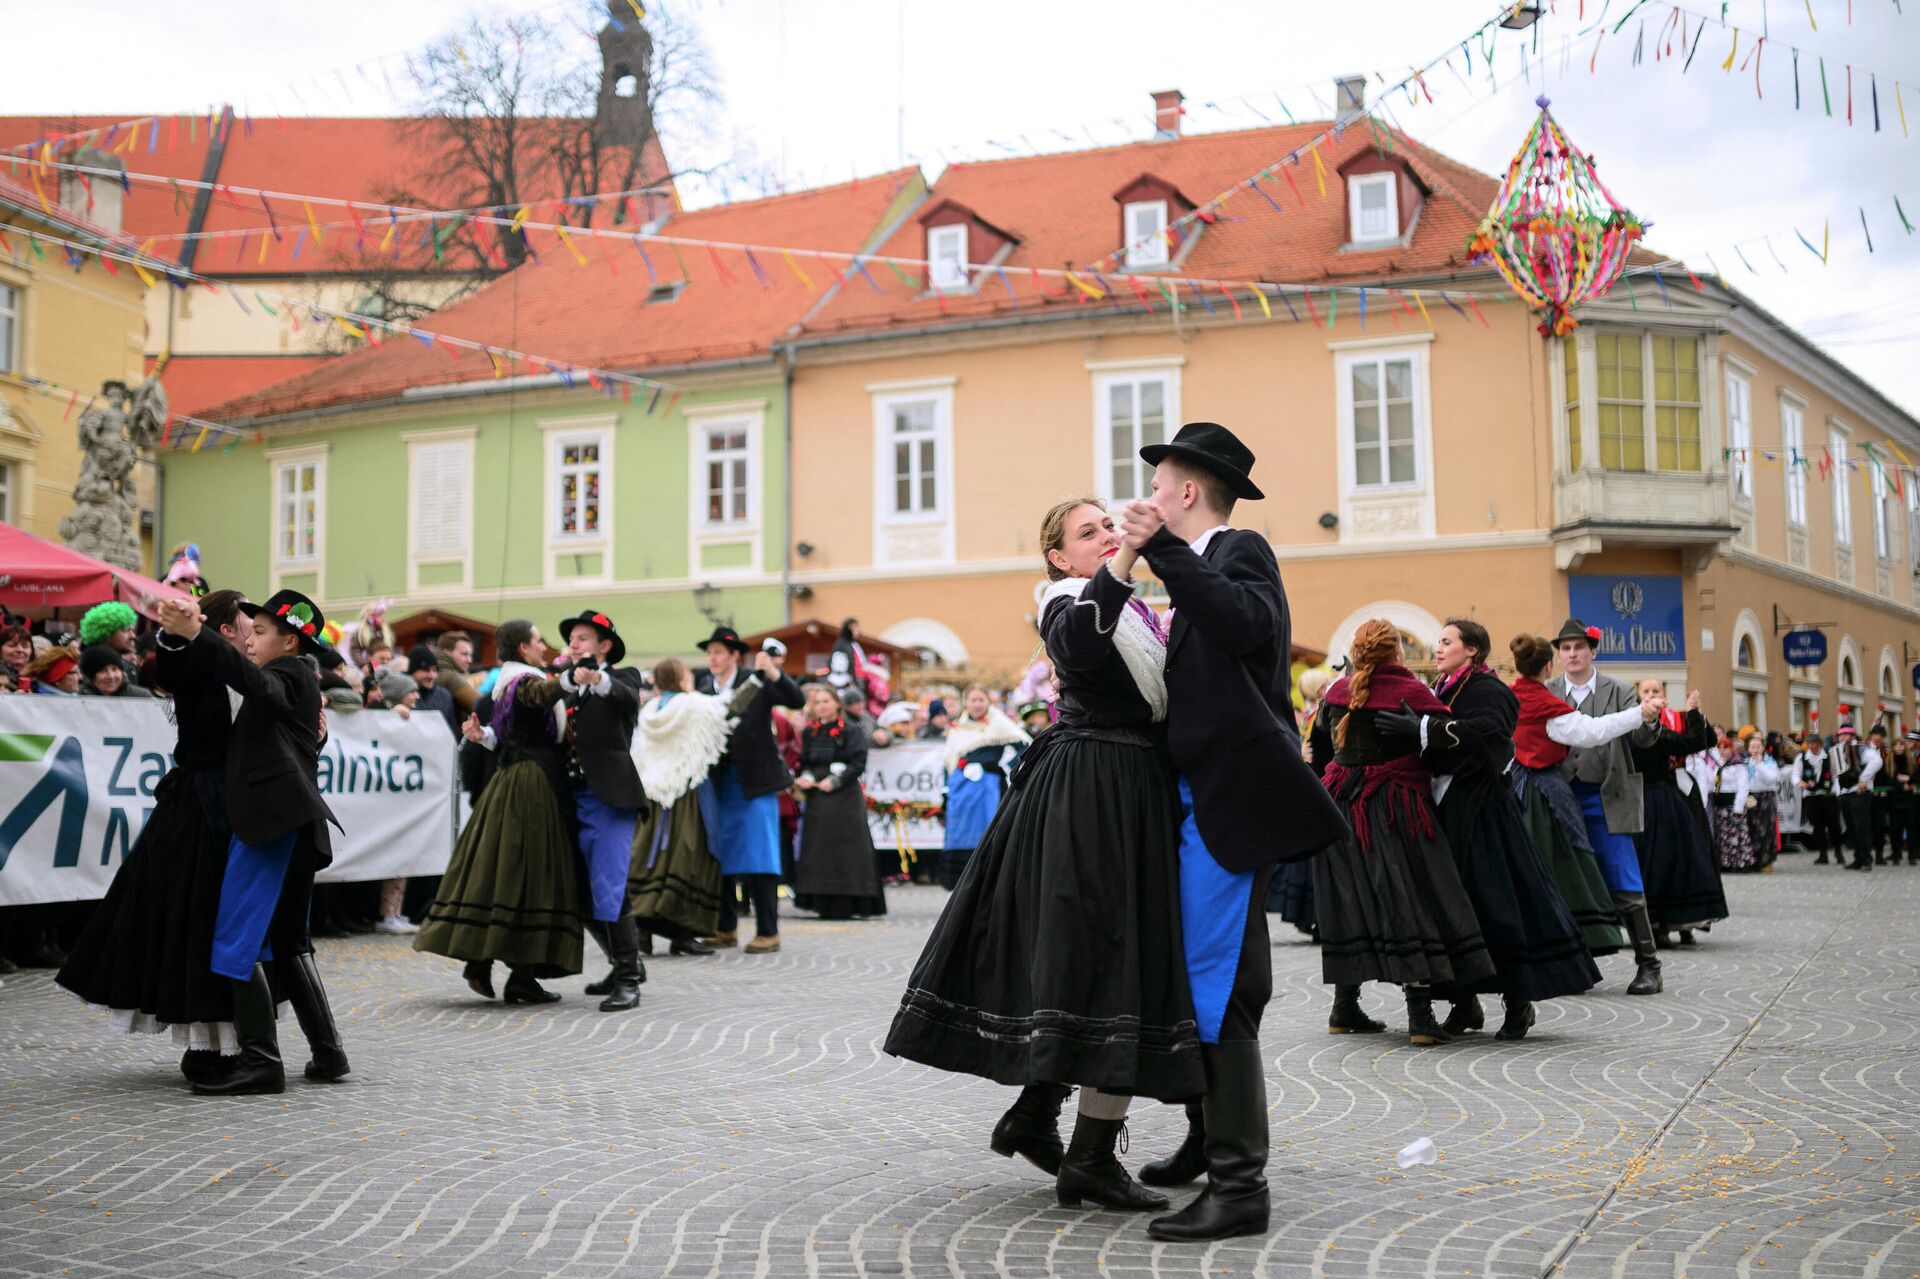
pixel 818 90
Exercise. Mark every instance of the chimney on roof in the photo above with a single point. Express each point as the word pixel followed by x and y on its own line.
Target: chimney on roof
pixel 1167 112
pixel 1349 99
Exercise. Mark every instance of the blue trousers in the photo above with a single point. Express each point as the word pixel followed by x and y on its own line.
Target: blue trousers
pixel 606 846
pixel 1213 922
pixel 249 892
pixel 1619 863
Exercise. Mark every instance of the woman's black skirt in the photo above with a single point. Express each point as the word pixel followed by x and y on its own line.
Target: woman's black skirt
pixel 1676 863
pixel 1396 911
pixel 147 948
pixel 1535 943
pixel 1763 821
pixel 1058 957
pixel 1290 894
pixel 834 874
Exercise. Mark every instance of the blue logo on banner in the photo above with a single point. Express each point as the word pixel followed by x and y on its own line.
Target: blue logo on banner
pixel 1804 648
pixel 1640 618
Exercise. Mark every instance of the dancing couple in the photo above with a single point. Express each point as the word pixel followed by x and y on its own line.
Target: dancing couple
pixel 1110 930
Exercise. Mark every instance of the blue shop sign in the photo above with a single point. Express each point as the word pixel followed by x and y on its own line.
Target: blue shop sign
pixel 1640 618
pixel 1804 648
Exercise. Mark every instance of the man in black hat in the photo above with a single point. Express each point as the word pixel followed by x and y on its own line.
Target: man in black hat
pixel 746 784
pixel 603 706
pixel 1611 795
pixel 1249 802
pixel 279 820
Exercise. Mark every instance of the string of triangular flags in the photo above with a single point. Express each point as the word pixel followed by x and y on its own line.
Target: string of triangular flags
pixel 1885 459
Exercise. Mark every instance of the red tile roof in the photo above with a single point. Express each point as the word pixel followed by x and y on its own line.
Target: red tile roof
pixel 369 160
pixel 1063 210
pixel 196 383
pixel 598 315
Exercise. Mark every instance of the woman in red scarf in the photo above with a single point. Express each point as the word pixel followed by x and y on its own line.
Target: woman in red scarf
pixel 1391 904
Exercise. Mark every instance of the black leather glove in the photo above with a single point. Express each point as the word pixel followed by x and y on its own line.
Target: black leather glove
pixel 1401 723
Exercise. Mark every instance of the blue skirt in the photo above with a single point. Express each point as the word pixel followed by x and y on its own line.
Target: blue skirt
pixel 970 807
pixel 746 836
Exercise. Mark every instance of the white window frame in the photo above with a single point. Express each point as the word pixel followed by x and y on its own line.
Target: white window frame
pixel 1842 485
pixel 1793 443
pixel 1146 248
pixel 888 524
pixel 279 463
pixel 11 316
pixel 1359 183
pixel 1415 358
pixel 558 434
pixel 1385 510
pixel 1882 514
pixel 1108 374
pixel 416 440
pixel 6 491
pixel 948 272
pixel 749 416
pixel 1740 432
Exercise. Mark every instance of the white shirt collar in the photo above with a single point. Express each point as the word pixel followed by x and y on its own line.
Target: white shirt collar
pixel 1578 693
pixel 1201 543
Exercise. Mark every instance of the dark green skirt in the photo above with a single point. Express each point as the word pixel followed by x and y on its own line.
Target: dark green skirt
pixel 512 888
pixel 673 887
pixel 1576 873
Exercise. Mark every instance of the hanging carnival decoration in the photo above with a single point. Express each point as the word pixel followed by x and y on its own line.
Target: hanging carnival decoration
pixel 1555 233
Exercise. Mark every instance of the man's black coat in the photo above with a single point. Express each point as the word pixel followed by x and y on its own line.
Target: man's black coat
pixel 751 748
pixel 603 726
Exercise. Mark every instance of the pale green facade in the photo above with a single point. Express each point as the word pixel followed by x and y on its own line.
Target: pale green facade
pixel 457 504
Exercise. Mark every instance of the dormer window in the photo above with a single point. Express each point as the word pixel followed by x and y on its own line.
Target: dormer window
pixel 1146 230
pixel 947 257
pixel 1373 207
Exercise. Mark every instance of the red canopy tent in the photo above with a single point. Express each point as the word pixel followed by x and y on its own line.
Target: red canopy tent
pixel 36 574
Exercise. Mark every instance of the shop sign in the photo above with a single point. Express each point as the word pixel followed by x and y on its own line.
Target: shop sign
pixel 1641 618
pixel 1804 648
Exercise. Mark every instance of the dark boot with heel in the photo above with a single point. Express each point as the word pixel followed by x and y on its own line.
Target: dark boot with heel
pixel 1465 1017
pixel 1519 1019
pixel 258 1068
pixel 1347 1017
pixel 300 980
pixel 1188 1162
pixel 1091 1170
pixel 522 989
pixel 1646 978
pixel 628 971
pixel 1422 1029
pixel 1235 1201
pixel 1031 1127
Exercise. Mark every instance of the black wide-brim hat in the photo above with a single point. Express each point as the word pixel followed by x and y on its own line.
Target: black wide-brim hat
pixel 1213 446
pixel 1574 628
pixel 295 614
pixel 724 635
pixel 601 623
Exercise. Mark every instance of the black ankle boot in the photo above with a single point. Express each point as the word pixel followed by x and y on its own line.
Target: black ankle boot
pixel 1646 977
pixel 1186 1163
pixel 258 1068
pixel 628 971
pixel 479 977
pixel 300 980
pixel 1422 1029
pixel 1091 1170
pixel 1031 1127
pixel 1235 1201
pixel 202 1065
pixel 522 989
pixel 1519 1019
pixel 1347 1017
pixel 1465 1016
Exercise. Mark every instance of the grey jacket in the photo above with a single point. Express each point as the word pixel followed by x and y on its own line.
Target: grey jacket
pixel 1621 791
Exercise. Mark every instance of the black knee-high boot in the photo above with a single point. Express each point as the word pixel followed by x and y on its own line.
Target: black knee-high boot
pixel 1031 1127
pixel 1235 1201
pixel 628 972
pixel 258 1069
pixel 603 939
pixel 1186 1163
pixel 1646 952
pixel 300 979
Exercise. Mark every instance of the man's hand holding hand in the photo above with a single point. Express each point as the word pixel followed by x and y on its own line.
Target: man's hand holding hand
pixel 180 618
pixel 1139 521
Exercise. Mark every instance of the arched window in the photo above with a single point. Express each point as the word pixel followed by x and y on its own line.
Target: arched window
pixel 1750 678
pixel 1849 675
pixel 1744 655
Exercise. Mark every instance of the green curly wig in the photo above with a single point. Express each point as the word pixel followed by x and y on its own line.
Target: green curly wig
pixel 103 620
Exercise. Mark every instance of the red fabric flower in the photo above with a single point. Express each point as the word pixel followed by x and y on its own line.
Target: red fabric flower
pixel 1593 633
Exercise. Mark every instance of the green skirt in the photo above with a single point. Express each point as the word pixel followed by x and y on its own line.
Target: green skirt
pixel 512 888
pixel 674 885
pixel 1576 874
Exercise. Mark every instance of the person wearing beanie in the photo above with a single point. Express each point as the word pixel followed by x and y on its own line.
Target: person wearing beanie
pixel 937 722
pixel 423 667
pixel 397 692
pixel 103 675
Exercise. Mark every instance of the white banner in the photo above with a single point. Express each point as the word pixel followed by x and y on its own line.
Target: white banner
pixel 911 770
pixel 77 776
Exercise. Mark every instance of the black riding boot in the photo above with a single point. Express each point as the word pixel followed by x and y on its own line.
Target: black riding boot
pixel 1235 1201
pixel 1091 1170
pixel 628 971
pixel 598 931
pixel 1347 1017
pixel 1188 1162
pixel 1633 914
pixel 258 1070
pixel 300 979
pixel 1465 1015
pixel 1422 1029
pixel 1031 1127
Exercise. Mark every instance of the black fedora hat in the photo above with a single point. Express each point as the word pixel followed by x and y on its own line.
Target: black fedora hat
pixel 601 623
pixel 1213 446
pixel 724 635
pixel 1574 628
pixel 295 614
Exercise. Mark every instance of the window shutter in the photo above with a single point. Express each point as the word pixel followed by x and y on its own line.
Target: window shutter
pixel 440 475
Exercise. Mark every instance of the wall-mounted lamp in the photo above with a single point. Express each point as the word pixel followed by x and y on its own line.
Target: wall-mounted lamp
pixel 1328 520
pixel 803 549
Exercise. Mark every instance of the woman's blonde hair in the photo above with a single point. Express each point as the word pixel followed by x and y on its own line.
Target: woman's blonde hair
pixel 1053 531
pixel 1315 682
pixel 1376 643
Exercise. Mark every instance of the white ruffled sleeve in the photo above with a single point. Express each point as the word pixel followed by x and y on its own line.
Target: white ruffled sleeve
pixel 1577 729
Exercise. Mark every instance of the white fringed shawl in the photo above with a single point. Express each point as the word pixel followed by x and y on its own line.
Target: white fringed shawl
pixel 680 738
pixel 1142 650
pixel 968 735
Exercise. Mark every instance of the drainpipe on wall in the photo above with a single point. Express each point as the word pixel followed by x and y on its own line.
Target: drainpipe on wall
pixel 786 507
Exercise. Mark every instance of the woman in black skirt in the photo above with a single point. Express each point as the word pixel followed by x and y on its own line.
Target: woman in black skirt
pixel 145 956
pixel 1676 857
pixel 1290 894
pixel 1391 904
pixel 834 875
pixel 1058 959
pixel 1535 943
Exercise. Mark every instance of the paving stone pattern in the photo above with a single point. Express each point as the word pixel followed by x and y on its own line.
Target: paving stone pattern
pixel 1762 1117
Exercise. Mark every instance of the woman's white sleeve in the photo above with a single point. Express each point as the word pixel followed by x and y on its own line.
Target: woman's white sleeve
pixel 1576 729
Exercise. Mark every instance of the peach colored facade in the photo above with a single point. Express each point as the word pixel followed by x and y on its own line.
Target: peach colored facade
pixel 1492 523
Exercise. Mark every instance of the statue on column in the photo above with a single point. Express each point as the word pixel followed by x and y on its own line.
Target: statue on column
pixel 105 520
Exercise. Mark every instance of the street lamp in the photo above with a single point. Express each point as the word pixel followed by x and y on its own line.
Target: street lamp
pixel 706 598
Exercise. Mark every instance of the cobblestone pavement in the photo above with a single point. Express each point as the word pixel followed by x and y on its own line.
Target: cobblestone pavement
pixel 1762 1117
